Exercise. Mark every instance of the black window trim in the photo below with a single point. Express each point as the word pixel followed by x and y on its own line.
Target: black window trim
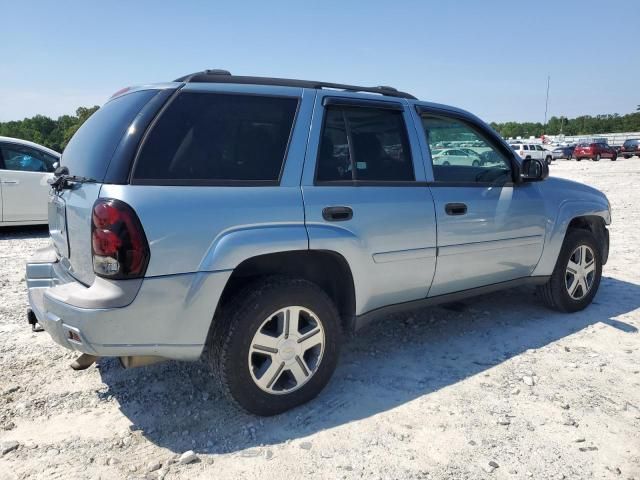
pixel 362 102
pixel 487 133
pixel 351 102
pixel 16 144
pixel 171 182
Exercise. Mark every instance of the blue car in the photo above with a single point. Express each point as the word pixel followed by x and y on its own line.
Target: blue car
pixel 252 222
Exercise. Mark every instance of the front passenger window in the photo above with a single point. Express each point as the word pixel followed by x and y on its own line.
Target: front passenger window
pixel 25 159
pixel 472 158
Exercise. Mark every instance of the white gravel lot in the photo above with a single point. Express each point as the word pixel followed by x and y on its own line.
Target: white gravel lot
pixel 441 393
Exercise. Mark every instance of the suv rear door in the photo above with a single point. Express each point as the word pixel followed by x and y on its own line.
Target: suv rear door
pixel 366 198
pixel 490 230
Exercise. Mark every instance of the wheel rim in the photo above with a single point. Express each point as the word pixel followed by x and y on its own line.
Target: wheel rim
pixel 580 272
pixel 286 350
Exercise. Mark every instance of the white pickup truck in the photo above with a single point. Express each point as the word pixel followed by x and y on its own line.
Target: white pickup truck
pixel 531 150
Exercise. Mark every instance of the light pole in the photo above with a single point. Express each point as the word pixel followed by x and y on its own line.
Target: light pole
pixel 546 105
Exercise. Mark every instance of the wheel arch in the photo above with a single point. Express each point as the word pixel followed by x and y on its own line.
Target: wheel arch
pixel 592 216
pixel 327 269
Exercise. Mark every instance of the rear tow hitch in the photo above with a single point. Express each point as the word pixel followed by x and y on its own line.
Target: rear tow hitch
pixel 84 361
pixel 33 321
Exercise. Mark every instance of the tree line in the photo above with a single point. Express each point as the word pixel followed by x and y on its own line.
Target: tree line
pixel 46 131
pixel 583 125
pixel 56 134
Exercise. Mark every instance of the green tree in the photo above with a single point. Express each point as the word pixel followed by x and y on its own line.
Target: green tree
pixel 54 134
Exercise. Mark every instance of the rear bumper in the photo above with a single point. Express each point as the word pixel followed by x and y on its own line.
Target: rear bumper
pixel 162 316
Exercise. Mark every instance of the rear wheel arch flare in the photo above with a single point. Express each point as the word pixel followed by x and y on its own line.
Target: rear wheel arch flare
pixel 327 269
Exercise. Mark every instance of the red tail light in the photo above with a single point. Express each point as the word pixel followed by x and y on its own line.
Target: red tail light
pixel 118 243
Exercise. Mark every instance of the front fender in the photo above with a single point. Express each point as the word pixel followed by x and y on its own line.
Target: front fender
pixel 557 229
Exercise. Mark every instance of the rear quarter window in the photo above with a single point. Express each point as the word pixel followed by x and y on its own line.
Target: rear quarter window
pixel 90 150
pixel 213 138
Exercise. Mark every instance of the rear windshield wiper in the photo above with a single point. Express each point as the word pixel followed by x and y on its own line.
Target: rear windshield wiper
pixel 63 180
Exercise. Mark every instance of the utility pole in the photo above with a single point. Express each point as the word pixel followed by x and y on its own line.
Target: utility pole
pixel 546 105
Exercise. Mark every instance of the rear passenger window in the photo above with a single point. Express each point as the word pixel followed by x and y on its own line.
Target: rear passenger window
pixel 206 138
pixel 364 144
pixel 481 162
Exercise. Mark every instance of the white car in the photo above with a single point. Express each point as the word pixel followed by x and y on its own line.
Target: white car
pixel 531 150
pixel 25 168
pixel 456 156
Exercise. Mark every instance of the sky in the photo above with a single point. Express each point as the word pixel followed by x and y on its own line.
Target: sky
pixel 489 57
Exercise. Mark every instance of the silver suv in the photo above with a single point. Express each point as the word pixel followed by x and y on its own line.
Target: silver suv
pixel 252 222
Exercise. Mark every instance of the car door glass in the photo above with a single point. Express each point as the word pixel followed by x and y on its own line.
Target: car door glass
pixel 488 165
pixel 364 144
pixel 26 159
pixel 539 148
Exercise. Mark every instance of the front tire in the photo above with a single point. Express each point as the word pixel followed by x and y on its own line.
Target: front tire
pixel 275 345
pixel 597 158
pixel 576 276
pixel 549 160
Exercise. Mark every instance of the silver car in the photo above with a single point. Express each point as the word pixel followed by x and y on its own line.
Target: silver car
pixel 251 222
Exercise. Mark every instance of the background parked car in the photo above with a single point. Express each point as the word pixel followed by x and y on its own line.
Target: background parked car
pixel 456 156
pixel 595 151
pixel 630 148
pixel 530 150
pixel 25 168
pixel 563 152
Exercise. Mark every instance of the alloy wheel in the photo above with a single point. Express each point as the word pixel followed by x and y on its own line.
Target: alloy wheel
pixel 580 272
pixel 286 350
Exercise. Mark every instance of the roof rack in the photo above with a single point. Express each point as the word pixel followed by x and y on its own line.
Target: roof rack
pixel 224 76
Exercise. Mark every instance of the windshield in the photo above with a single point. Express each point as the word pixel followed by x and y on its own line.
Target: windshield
pixel 90 150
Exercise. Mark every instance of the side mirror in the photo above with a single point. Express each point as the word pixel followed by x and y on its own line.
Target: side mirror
pixel 533 170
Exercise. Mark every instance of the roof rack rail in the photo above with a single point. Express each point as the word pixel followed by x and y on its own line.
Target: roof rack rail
pixel 224 76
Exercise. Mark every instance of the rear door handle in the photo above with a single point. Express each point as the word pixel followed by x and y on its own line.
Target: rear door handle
pixel 455 208
pixel 337 214
pixel 10 182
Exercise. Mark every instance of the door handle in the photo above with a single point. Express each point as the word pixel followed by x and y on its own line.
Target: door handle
pixel 337 214
pixel 10 182
pixel 455 208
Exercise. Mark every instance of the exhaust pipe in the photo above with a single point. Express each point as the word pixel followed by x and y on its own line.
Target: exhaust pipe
pixel 140 361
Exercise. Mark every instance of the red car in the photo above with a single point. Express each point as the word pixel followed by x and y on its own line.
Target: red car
pixel 594 151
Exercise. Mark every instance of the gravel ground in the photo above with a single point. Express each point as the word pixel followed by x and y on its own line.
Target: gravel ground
pixel 495 387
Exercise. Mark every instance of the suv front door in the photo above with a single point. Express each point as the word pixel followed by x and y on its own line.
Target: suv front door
pixel 490 230
pixel 24 172
pixel 366 197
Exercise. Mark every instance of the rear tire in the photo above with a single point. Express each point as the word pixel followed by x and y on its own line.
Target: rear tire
pixel 549 159
pixel 578 159
pixel 627 157
pixel 614 158
pixel 476 163
pixel 287 370
pixel 560 292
